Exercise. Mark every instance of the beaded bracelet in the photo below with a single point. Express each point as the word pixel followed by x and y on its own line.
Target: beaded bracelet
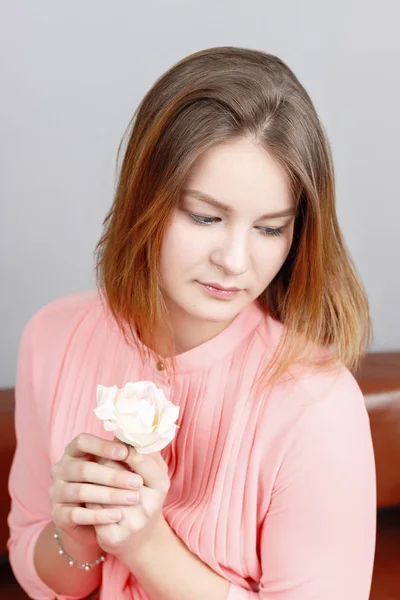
pixel 86 566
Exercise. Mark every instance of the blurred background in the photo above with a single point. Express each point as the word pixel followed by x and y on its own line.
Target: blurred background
pixel 72 74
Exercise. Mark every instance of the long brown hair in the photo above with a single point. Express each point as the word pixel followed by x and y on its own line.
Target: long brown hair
pixel 209 97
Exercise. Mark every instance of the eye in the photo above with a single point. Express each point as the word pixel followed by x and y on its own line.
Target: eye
pixel 203 220
pixel 271 230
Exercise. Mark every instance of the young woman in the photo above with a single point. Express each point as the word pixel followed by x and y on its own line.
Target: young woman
pixel 223 279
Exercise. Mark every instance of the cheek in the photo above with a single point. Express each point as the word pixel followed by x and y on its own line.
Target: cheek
pixel 276 253
pixel 182 248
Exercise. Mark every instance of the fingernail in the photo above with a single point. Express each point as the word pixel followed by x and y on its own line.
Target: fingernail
pixel 119 452
pixel 132 497
pixel 114 515
pixel 135 482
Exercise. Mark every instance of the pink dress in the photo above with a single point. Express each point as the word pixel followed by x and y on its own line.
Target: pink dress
pixel 277 493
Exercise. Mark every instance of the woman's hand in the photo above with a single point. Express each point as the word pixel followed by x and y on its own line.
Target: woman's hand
pixel 78 480
pixel 137 522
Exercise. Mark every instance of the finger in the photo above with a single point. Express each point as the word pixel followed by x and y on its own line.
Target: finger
pixel 114 464
pixel 108 536
pixel 95 506
pixel 86 443
pixel 157 457
pixel 81 493
pixel 67 516
pixel 103 474
pixel 153 474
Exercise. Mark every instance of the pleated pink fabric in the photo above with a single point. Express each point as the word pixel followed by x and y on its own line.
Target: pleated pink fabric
pixel 275 493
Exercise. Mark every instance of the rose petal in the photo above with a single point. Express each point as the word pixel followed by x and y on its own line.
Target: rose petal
pixel 99 392
pixel 140 414
pixel 134 424
pixel 128 438
pixel 140 388
pixel 159 444
pixel 106 395
pixel 147 412
pixel 105 411
pixel 127 405
pixel 169 415
pixel 119 433
pixel 146 439
pixel 110 426
pixel 160 399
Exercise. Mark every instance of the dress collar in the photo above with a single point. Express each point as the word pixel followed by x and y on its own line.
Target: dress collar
pixel 221 345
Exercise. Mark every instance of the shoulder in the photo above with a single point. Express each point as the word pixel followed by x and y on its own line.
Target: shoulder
pixel 69 304
pixel 328 414
pixel 65 312
pixel 312 383
pixel 333 405
pixel 48 332
pixel 312 425
pixel 320 410
pixel 330 440
pixel 307 397
pixel 48 342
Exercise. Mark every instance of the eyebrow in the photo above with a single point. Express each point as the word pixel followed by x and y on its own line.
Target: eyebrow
pixel 203 197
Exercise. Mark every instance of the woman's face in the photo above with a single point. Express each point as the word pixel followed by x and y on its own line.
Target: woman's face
pixel 241 243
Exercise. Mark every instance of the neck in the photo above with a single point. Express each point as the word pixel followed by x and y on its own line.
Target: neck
pixel 190 332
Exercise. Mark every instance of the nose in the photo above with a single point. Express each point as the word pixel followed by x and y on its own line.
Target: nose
pixel 232 253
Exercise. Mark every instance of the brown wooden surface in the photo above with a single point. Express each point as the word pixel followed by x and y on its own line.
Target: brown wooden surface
pixel 7 446
pixel 379 372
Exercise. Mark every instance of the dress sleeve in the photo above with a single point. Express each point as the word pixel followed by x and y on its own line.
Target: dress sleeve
pixel 30 475
pixel 318 536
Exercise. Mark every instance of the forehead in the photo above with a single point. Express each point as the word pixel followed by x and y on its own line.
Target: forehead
pixel 242 175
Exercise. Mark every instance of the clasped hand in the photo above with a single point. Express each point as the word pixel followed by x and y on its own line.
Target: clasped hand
pixel 111 488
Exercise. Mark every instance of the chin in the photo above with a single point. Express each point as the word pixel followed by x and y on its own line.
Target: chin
pixel 212 310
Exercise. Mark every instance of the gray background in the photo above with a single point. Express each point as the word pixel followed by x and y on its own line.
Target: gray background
pixel 72 74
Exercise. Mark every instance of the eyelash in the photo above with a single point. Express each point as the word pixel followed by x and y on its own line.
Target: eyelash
pixel 203 220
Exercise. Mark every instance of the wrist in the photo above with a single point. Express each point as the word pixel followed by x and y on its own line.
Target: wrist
pixel 77 550
pixel 145 543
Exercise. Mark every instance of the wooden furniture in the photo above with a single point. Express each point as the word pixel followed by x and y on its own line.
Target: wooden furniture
pixel 7 447
pixel 380 372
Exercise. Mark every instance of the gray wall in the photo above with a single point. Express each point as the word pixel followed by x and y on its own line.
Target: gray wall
pixel 72 74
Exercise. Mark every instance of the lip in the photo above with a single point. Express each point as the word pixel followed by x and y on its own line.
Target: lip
pixel 219 293
pixel 217 286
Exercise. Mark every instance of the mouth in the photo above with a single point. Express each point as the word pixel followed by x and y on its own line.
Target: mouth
pixel 217 286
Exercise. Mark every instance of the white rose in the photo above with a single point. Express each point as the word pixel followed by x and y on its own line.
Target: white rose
pixel 138 414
